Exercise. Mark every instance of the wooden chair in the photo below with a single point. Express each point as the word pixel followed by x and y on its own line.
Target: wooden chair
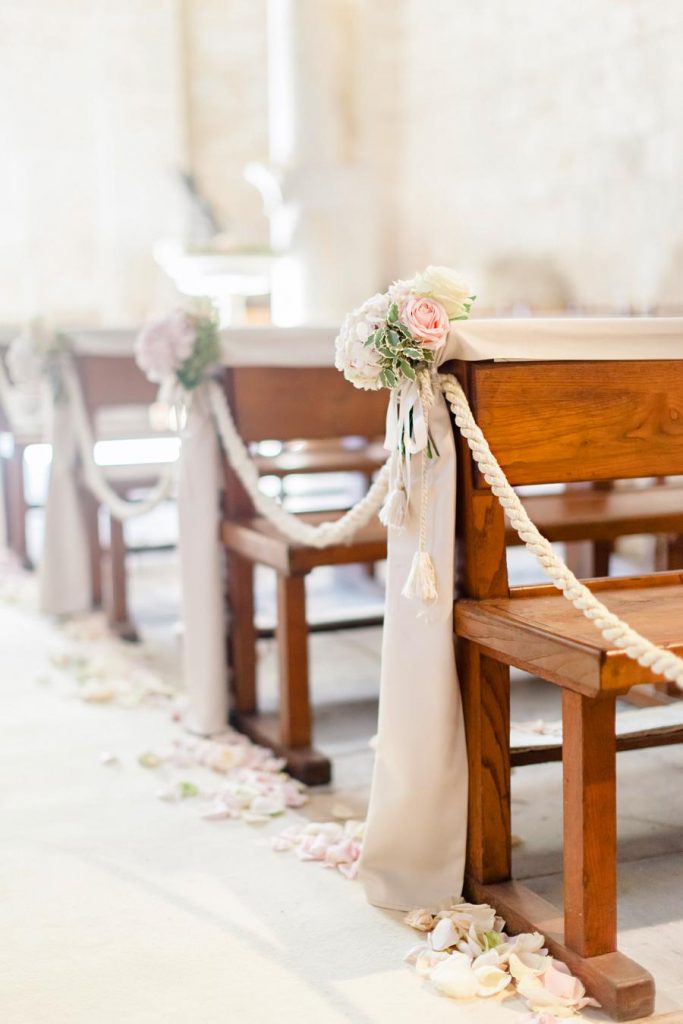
pixel 108 382
pixel 549 422
pixel 287 403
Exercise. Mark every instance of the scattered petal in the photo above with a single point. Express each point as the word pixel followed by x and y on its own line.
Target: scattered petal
pixel 455 977
pixel 445 935
pixel 427 960
pixel 413 953
pixel 149 760
pixel 491 980
pixel 420 920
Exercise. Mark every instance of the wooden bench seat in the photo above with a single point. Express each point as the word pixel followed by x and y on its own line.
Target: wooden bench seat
pixel 604 515
pixel 366 459
pixel 258 540
pixel 532 630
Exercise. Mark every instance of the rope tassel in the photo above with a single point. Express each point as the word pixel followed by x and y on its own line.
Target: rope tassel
pixel 394 510
pixel 421 582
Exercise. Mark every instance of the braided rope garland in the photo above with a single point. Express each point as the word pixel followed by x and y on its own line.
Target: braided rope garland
pixel 336 531
pixel 617 632
pixel 95 478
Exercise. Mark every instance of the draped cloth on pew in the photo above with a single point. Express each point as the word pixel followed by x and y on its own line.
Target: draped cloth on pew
pixel 65 580
pixel 204 654
pixel 414 848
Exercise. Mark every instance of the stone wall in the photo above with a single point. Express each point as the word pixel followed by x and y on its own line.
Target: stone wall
pixel 543 148
pixel 537 146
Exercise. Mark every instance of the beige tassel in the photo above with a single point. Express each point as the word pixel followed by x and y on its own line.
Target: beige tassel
pixel 421 582
pixel 394 509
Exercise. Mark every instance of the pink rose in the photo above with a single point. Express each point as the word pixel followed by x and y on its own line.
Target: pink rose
pixel 426 320
pixel 164 344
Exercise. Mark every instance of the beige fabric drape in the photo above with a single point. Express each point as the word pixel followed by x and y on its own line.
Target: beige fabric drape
pixel 201 561
pixel 65 581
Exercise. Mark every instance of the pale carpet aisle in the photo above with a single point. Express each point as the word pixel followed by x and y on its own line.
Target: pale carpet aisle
pixel 118 908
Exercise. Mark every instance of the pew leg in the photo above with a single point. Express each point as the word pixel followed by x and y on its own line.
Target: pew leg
pixel 116 592
pixel 288 733
pixel 590 832
pixel 587 943
pixel 674 552
pixel 16 507
pixel 91 516
pixel 485 685
pixel 295 706
pixel 241 635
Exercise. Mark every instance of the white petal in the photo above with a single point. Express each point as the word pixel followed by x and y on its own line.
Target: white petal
pixel 427 960
pixel 445 934
pixel 522 964
pixel 491 980
pixel 455 978
pixel 413 953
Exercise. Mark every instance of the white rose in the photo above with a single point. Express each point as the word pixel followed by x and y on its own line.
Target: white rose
pixel 446 287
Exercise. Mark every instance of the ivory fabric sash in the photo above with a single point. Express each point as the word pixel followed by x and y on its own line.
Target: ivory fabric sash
pixel 201 574
pixel 65 581
pixel 414 847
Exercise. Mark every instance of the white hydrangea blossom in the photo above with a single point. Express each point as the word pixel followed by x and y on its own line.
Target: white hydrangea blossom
pixel 360 364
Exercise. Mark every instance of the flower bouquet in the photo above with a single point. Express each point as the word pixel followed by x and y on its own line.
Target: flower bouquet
pixel 396 335
pixel 179 347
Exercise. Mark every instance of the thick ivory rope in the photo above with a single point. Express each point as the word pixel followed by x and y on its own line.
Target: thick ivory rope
pixel 619 633
pixel 94 477
pixel 336 531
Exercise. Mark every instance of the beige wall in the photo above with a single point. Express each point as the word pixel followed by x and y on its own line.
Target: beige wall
pixel 88 101
pixel 227 107
pixel 543 142
pixel 100 105
pixel 537 145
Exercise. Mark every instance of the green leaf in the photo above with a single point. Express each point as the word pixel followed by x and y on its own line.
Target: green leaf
pixel 413 353
pixel 393 338
pixel 390 378
pixel 407 369
pixel 370 340
pixel 392 316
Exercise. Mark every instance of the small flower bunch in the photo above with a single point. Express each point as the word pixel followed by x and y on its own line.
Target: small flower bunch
pixel 468 954
pixel 34 355
pixel 395 335
pixel 181 345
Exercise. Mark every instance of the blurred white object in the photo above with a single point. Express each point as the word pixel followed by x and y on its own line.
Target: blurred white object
pixel 229 279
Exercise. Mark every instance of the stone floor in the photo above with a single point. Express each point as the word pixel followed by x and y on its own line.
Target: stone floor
pixel 345 672
pixel 121 915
